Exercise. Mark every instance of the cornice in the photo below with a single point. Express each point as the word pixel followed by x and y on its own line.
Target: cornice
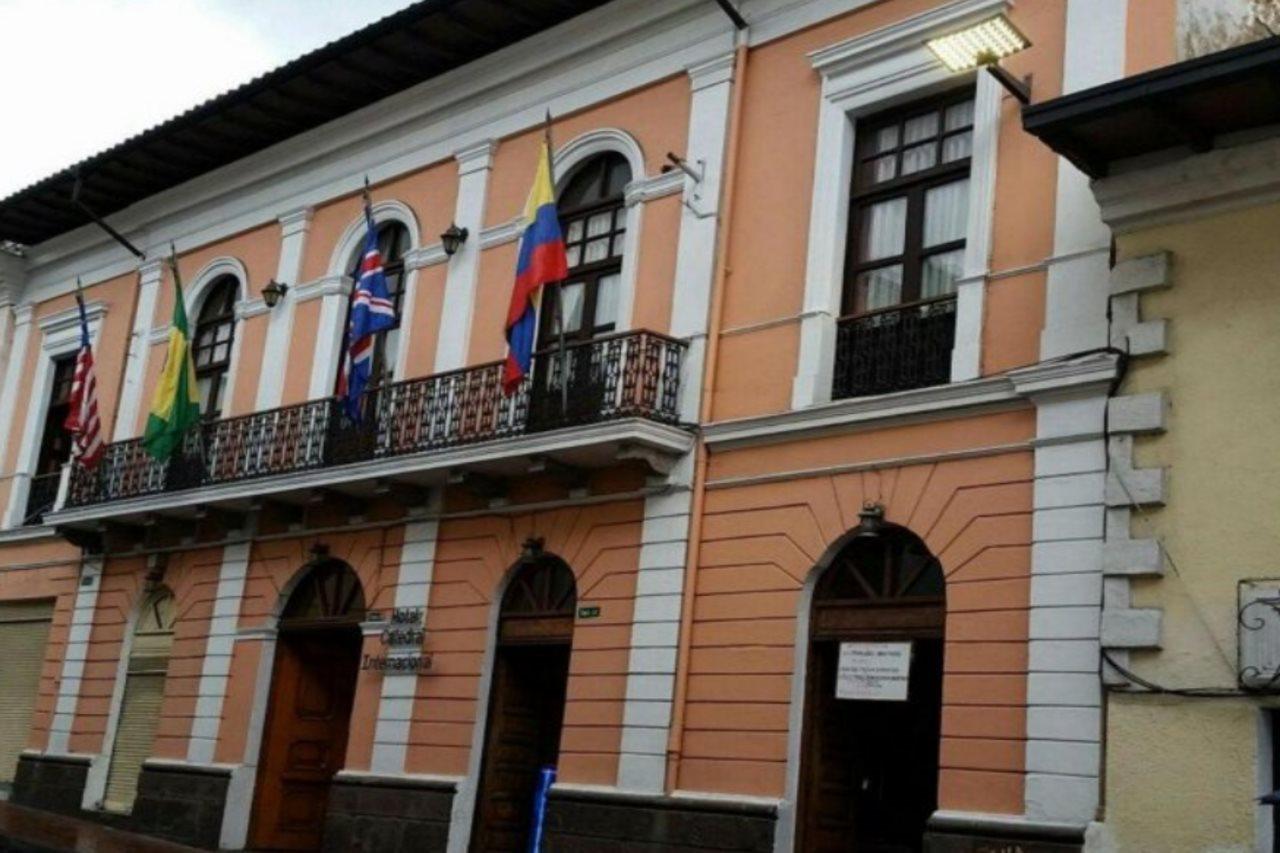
pixel 1165 191
pixel 648 189
pixel 1015 389
pixel 503 232
pixel 329 285
pixel 476 157
pixel 246 308
pixel 68 319
pixel 902 37
pixel 295 221
pixel 712 72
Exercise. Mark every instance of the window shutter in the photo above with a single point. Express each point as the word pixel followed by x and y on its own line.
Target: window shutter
pixel 24 631
pixel 135 734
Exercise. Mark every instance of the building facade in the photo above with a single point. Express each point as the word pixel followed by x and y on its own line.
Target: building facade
pixel 836 384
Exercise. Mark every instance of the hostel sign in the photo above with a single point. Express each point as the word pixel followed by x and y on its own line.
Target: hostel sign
pixel 402 639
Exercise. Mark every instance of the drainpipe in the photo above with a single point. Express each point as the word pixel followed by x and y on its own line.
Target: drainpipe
pixel 675 740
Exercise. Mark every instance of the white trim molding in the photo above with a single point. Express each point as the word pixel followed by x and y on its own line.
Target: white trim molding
pixel 395 703
pixel 150 274
pixel 860 76
pixel 14 373
pixel 294 227
pixel 474 164
pixel 60 336
pixel 75 655
pixel 215 668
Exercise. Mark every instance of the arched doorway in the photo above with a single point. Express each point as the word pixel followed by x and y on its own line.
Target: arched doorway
pixel 526 699
pixel 869 766
pixel 313 686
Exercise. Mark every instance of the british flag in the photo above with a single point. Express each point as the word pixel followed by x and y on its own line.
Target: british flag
pixel 372 311
pixel 82 421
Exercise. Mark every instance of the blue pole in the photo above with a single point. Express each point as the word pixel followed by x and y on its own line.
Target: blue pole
pixel 546 777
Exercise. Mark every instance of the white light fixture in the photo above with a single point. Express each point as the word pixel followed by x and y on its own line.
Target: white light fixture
pixel 984 43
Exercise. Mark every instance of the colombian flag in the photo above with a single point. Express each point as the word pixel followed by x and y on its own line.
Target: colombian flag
pixel 542 261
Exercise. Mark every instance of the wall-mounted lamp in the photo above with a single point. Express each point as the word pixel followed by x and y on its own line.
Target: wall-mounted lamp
pixel 453 238
pixel 870 522
pixel 983 45
pixel 272 293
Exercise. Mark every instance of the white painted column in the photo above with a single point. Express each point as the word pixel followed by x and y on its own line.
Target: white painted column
pixel 293 237
pixel 1077 283
pixel 655 629
pixel 13 375
pixel 73 659
pixel 966 356
pixel 335 292
pixel 135 363
pixel 474 165
pixel 395 707
pixel 216 667
pixel 1064 694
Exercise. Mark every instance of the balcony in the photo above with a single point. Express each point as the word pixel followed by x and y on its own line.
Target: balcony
pixel 895 349
pixel 622 394
pixel 41 497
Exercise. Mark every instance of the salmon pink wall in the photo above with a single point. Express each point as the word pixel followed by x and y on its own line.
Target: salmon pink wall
pixel 760 543
pixel 1151 39
pixel 658 117
pixel 43 570
pixel 601 544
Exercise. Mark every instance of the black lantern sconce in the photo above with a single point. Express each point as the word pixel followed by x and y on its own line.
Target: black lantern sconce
pixel 870 523
pixel 272 293
pixel 452 239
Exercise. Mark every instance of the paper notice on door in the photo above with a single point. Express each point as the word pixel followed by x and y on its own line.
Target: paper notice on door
pixel 875 671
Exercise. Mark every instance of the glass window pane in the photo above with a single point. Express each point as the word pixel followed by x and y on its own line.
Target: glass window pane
pixel 619 245
pixel 920 128
pixel 886 138
pixel 572 255
pixel 957 147
pixel 883 168
pixel 960 115
pixel 919 158
pixel 946 211
pixel 389 342
pixel 620 219
pixel 607 300
pixel 221 352
pixel 618 177
pixel 574 233
pixel 572 294
pixel 884 227
pixel 878 288
pixel 224 332
pixel 940 273
pixel 597 250
pixel 599 224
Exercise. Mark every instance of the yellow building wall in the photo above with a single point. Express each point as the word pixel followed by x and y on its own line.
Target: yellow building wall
pixel 1181 774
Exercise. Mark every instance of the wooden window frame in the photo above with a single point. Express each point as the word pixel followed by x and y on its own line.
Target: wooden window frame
pixel 587 274
pixel 216 371
pixel 55 441
pixel 913 188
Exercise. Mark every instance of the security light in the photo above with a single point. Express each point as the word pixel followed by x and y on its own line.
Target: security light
pixel 984 43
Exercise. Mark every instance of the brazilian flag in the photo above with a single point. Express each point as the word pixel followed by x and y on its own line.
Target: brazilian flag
pixel 175 408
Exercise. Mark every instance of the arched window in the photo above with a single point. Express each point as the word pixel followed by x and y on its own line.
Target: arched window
pixel 593 219
pixel 393 242
pixel 211 346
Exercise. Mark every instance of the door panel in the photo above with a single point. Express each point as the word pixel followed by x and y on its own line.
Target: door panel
pixel 305 740
pixel 870 775
pixel 526 710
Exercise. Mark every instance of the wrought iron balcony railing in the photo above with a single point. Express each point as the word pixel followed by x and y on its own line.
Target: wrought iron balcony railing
pixel 41 496
pixel 895 349
pixel 632 374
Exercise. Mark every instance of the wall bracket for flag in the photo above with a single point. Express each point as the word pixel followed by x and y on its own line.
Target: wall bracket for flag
pixel 102 223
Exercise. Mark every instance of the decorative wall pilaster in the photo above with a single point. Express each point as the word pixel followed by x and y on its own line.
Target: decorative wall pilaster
pixel 135 362
pixel 474 165
pixel 293 237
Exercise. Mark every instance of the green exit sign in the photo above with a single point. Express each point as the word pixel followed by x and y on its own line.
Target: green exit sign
pixel 588 612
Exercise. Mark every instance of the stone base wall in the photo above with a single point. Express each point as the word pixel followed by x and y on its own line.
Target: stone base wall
pixel 976 835
pixel 387 815
pixel 182 804
pixel 588 822
pixel 55 784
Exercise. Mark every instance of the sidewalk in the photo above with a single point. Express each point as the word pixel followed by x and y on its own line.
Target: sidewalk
pixel 24 830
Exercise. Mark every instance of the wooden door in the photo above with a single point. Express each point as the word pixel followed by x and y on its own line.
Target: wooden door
pixel 526 710
pixel 305 738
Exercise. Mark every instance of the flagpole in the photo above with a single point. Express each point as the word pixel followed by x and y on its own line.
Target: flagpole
pixel 564 350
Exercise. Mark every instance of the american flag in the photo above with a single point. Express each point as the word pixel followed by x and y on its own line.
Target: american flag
pixel 82 421
pixel 372 311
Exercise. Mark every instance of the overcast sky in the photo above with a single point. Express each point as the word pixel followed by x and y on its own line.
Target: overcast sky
pixel 78 76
